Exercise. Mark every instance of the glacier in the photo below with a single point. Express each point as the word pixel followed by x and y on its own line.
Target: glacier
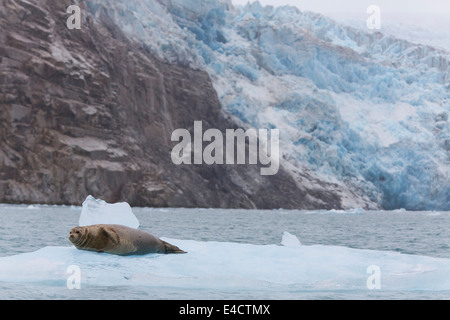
pixel 355 107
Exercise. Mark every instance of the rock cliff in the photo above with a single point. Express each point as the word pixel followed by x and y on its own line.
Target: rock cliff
pixel 90 111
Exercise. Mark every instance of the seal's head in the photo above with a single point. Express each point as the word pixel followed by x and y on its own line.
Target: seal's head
pixel 76 235
pixel 94 238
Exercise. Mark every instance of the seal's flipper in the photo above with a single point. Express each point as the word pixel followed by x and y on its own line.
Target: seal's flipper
pixel 111 235
pixel 169 248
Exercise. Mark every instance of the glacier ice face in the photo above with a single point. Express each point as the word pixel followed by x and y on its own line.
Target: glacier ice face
pixel 358 108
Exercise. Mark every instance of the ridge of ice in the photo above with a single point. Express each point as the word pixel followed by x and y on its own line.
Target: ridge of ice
pixel 97 211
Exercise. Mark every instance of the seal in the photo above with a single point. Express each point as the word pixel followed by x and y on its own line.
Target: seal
pixel 118 239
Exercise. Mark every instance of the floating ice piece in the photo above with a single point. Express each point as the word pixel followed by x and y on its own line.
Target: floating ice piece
pixel 233 266
pixel 96 211
pixel 290 240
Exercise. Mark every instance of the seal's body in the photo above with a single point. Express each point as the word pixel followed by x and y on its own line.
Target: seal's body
pixel 118 239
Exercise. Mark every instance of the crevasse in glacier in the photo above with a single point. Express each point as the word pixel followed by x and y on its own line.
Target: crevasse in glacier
pixel 358 108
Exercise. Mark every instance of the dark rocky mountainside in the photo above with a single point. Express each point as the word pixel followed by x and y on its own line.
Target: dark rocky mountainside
pixel 90 112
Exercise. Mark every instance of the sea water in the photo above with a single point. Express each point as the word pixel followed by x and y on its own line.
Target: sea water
pixel 233 254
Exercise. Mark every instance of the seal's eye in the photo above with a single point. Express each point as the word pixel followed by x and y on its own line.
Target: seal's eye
pixel 77 232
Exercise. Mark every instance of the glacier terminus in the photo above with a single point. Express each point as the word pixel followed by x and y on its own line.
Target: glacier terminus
pixel 355 107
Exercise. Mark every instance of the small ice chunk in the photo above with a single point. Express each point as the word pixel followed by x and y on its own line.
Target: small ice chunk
pixel 96 211
pixel 290 240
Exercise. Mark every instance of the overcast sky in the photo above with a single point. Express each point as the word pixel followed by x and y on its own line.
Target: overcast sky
pixel 431 14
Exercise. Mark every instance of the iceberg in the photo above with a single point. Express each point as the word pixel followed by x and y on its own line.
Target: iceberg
pixel 97 211
pixel 233 266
